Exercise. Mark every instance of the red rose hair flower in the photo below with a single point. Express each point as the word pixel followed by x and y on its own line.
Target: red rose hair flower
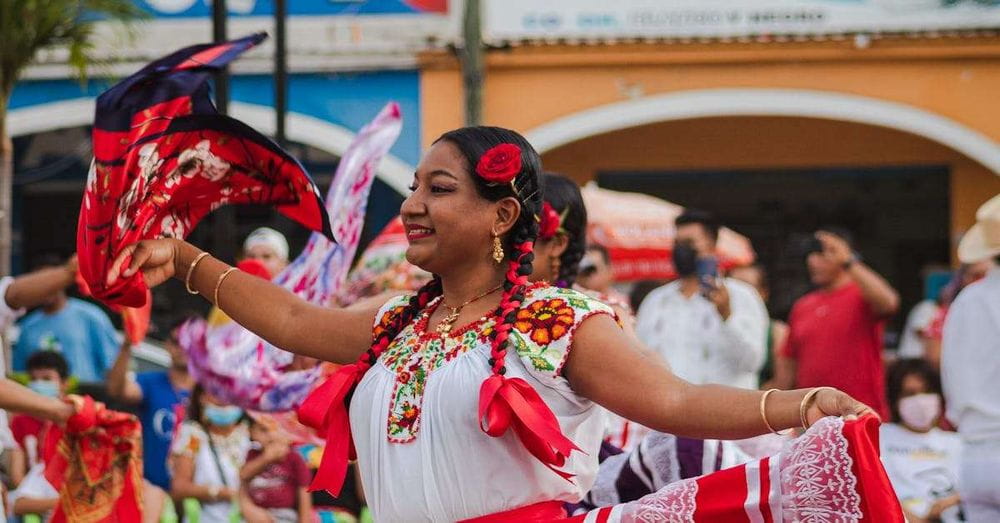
pixel 500 164
pixel 549 222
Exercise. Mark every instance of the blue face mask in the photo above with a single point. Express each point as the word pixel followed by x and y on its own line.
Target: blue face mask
pixel 45 388
pixel 222 416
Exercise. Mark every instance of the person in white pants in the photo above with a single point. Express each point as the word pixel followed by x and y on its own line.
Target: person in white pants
pixel 970 368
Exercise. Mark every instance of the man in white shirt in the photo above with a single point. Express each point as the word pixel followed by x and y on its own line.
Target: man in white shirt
pixel 970 369
pixel 710 330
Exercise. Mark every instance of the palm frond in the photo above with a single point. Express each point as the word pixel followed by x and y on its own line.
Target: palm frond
pixel 29 26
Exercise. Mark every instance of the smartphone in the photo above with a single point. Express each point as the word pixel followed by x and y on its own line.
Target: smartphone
pixel 707 269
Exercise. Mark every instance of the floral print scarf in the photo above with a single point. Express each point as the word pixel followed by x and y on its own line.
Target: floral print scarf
pixel 164 157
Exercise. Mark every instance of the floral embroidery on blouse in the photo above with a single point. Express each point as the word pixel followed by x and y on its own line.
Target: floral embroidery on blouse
pixel 541 336
pixel 413 356
pixel 545 320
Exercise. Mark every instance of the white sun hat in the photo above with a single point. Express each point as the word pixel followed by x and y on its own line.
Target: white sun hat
pixel 983 239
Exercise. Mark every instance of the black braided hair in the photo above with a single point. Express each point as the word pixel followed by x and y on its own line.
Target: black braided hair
pixel 562 194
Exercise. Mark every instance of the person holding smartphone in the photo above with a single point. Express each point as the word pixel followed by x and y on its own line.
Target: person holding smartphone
pixel 710 329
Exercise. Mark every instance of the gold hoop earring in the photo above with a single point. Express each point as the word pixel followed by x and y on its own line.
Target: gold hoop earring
pixel 498 253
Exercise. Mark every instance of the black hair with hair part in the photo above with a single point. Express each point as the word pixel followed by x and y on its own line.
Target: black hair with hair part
pixel 472 143
pixel 564 196
pixel 599 249
pixel 48 360
pixel 841 232
pixel 897 374
pixel 707 220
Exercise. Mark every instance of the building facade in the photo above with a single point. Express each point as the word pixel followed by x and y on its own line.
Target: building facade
pixel 779 116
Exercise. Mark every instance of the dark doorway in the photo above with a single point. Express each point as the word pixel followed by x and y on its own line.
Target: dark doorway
pixel 899 217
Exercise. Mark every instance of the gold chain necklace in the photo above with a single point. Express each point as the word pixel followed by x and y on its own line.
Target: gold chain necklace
pixel 446 323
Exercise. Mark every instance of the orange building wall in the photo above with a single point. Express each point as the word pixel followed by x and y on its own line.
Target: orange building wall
pixel 531 86
pixel 743 143
pixel 971 186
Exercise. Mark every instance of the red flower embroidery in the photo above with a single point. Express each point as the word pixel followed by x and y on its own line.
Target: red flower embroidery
pixel 410 414
pixel 546 320
pixel 549 222
pixel 500 164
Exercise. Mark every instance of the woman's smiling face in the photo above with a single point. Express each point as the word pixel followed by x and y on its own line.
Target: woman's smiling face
pixel 448 223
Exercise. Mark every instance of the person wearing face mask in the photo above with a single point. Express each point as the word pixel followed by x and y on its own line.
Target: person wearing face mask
pixel 48 372
pixel 922 460
pixel 710 330
pixel 207 454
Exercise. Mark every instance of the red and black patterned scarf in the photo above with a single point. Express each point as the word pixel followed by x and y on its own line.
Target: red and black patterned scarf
pixel 164 158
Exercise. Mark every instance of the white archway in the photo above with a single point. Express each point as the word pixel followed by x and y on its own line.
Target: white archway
pixel 767 102
pixel 304 129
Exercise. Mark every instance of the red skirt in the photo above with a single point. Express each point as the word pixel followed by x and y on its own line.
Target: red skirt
pixel 831 474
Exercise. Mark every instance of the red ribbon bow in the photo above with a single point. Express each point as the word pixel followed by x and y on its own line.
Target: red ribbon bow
pixel 506 402
pixel 325 410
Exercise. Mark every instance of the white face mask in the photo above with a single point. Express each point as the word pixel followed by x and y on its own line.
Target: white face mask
pixel 920 411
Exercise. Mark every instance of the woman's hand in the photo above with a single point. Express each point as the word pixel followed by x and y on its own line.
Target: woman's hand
pixel 832 402
pixel 157 259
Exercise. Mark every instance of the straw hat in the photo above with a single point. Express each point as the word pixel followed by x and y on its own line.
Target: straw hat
pixel 983 239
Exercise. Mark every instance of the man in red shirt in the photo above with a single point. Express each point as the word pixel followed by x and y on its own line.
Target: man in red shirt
pixel 835 332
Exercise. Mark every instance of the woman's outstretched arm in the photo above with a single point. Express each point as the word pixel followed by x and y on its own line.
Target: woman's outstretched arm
pixel 270 311
pixel 606 366
pixel 16 398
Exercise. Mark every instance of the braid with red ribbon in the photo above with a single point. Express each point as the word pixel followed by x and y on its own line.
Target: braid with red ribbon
pixel 325 409
pixel 511 167
pixel 417 303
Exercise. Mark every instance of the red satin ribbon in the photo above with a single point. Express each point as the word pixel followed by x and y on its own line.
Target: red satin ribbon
pixel 506 402
pixel 543 511
pixel 325 410
pixel 878 499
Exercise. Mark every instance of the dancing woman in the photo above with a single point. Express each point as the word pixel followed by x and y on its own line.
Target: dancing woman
pixel 477 339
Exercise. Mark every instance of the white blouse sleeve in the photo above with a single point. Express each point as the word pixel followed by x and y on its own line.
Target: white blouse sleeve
pixel 544 328
pixel 7 314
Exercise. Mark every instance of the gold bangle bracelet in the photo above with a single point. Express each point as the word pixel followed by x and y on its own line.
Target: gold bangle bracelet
pixel 187 279
pixel 218 284
pixel 763 409
pixel 804 405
